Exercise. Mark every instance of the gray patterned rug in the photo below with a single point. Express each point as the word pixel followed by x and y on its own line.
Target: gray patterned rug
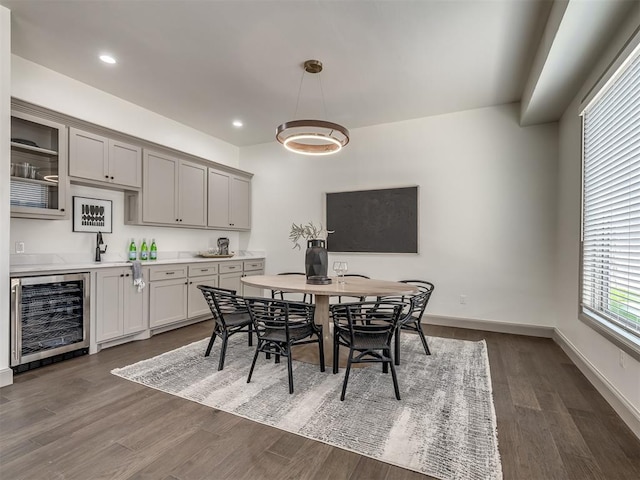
pixel 444 426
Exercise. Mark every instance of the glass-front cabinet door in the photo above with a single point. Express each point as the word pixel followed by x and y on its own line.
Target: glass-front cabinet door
pixel 39 179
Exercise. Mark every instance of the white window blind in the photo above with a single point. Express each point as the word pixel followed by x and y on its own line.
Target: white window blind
pixel 611 204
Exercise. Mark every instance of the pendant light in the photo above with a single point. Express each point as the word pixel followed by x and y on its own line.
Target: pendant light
pixel 312 137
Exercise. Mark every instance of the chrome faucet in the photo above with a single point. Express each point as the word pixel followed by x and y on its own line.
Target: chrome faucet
pixel 100 247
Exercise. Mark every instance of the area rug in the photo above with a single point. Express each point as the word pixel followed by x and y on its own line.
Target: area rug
pixel 444 426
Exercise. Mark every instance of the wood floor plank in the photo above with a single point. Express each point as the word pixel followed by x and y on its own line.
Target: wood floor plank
pixel 74 419
pixel 174 458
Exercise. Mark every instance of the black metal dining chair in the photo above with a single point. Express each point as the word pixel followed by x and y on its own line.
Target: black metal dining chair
pixel 366 329
pixel 281 325
pixel 413 309
pixel 230 316
pixel 282 295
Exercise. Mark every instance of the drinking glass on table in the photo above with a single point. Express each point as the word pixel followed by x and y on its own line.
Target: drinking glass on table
pixel 340 268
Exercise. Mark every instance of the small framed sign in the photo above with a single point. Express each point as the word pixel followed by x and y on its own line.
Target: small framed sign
pixel 92 215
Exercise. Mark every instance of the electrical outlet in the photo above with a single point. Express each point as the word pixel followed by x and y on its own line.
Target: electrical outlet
pixel 463 299
pixel 19 247
pixel 623 359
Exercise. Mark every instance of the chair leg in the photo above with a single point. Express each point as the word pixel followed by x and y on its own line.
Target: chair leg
pixel 385 366
pixel 250 334
pixel 395 380
pixel 210 346
pixel 253 364
pixel 397 345
pixel 223 350
pixel 321 352
pixel 346 376
pixel 422 337
pixel 290 371
pixel 336 354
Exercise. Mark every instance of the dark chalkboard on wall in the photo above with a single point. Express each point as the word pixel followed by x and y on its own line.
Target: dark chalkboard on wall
pixel 376 221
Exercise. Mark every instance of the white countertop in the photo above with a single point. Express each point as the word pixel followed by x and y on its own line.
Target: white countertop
pixel 49 262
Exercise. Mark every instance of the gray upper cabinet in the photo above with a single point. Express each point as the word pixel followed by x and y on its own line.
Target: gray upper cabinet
pixel 39 182
pixel 229 201
pixel 103 160
pixel 174 191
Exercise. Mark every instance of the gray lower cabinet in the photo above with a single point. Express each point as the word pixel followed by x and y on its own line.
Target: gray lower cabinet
pixel 120 309
pixel 168 294
pixel 230 275
pixel 174 296
pixel 252 267
pixel 200 274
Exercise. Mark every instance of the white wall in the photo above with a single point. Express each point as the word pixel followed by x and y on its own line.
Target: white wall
pixel 57 236
pixel 6 376
pixel 600 354
pixel 39 85
pixel 487 207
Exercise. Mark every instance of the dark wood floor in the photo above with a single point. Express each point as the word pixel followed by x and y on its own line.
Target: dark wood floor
pixel 74 420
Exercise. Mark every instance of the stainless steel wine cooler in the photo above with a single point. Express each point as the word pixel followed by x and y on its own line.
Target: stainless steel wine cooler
pixel 49 318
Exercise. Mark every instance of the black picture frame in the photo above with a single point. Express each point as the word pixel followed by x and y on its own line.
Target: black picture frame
pixel 373 221
pixel 92 215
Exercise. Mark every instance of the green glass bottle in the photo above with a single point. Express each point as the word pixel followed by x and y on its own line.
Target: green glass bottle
pixel 132 251
pixel 153 253
pixel 144 250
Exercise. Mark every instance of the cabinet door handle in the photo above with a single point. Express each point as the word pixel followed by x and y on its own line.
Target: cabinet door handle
pixel 128 274
pixel 204 269
pixel 122 274
pixel 62 209
pixel 111 178
pixel 106 176
pixel 186 283
pixel 169 273
pixel 190 283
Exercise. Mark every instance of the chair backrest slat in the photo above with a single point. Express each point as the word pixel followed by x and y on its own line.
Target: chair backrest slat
pixel 224 303
pixel 272 314
pixel 362 318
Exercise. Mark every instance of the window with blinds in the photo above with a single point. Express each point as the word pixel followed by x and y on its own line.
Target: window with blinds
pixel 610 284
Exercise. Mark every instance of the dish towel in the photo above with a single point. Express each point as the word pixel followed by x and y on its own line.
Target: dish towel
pixel 138 279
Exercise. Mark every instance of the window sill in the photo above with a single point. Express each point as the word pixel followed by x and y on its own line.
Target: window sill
pixel 619 337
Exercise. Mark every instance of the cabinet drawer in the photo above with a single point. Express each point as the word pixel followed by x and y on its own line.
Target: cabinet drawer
pixel 230 267
pixel 202 269
pixel 251 265
pixel 168 272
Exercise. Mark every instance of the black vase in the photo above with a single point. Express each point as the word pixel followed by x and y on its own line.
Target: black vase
pixel 316 262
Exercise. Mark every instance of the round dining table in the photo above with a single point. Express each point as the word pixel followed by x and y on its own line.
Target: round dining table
pixel 352 287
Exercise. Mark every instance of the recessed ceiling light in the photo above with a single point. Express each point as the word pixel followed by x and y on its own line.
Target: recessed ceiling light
pixel 107 59
pixel 237 123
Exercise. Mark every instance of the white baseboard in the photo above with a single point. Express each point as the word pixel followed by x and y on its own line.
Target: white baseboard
pixel 489 325
pixel 629 414
pixel 6 377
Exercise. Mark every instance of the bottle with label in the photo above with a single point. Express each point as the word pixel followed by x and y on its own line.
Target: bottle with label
pixel 132 251
pixel 144 250
pixel 153 253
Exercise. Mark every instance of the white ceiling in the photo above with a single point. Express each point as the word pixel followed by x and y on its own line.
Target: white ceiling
pixel 205 63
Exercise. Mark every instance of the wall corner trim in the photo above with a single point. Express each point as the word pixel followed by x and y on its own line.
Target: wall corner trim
pixel 629 414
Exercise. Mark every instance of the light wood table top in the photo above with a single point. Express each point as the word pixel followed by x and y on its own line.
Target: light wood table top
pixel 353 286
